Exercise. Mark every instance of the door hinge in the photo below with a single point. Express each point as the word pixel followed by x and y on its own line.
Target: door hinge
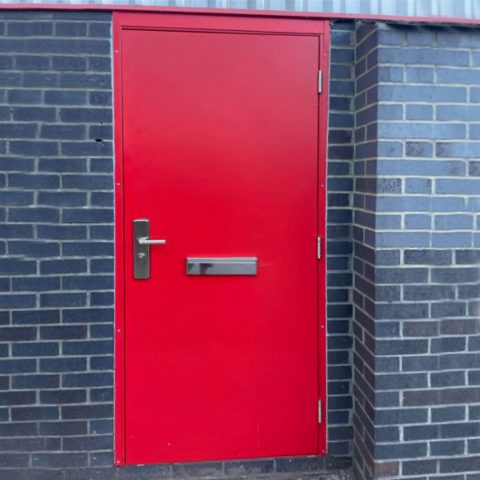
pixel 319 81
pixel 319 248
pixel 319 411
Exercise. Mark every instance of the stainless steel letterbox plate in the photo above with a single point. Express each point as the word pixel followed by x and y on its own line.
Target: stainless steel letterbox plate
pixel 222 266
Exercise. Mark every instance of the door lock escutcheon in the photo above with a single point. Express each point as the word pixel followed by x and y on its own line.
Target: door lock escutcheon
pixel 141 248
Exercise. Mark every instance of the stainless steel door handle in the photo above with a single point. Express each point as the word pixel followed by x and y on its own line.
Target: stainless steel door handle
pixel 141 248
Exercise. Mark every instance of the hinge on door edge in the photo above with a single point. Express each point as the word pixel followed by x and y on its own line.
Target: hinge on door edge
pixel 319 81
pixel 319 411
pixel 319 248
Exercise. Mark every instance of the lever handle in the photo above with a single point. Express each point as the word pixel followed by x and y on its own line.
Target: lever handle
pixel 150 241
pixel 141 248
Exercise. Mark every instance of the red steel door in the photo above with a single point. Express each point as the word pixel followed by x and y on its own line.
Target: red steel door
pixel 220 132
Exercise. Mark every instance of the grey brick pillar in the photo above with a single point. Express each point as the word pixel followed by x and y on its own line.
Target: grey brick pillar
pixel 416 253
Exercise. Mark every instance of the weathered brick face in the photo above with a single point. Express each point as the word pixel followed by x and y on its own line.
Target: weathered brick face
pixel 417 275
pixel 56 264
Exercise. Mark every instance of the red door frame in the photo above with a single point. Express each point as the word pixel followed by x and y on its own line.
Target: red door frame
pixel 244 22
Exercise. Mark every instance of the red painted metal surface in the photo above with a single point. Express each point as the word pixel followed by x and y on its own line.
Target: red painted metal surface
pixel 220 137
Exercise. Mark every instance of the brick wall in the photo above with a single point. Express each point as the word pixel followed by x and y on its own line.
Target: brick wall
pixel 404 192
pixel 56 229
pixel 56 257
pixel 417 252
pixel 339 233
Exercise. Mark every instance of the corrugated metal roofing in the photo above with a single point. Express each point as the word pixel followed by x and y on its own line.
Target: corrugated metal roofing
pixel 461 9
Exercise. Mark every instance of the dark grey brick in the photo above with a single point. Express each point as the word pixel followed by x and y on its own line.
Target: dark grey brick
pixel 86 115
pixel 467 257
pixel 88 282
pixel 70 29
pixel 35 413
pixel 63 132
pixel 63 266
pixel 101 266
pixel 70 46
pixel 38 349
pixel 403 381
pixel 101 30
pixel 34 248
pixel 18 429
pixel 39 79
pixel 35 316
pixel 65 97
pixel 24 397
pixel 64 396
pixel 22 382
pixel 8 301
pixel 92 215
pixel 399 451
pixel 63 428
pixel 17 460
pixel 33 148
pixel 90 347
pixel 96 315
pixel 62 164
pixel 100 98
pixel 400 417
pixel 30 114
pixel 447 379
pixel 71 364
pixel 36 284
pixel 98 249
pixel 454 465
pixel 27 97
pixel 84 80
pixel 87 411
pixel 448 414
pixel 101 232
pixel 15 198
pixel 17 333
pixel 88 380
pixel 17 164
pixel 34 214
pixel 455 275
pixel 418 467
pixel 62 198
pixel 17 266
pixel 61 232
pixel 62 299
pixel 69 63
pixel 88 182
pixel 59 459
pixel 30 28
pixel 64 332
